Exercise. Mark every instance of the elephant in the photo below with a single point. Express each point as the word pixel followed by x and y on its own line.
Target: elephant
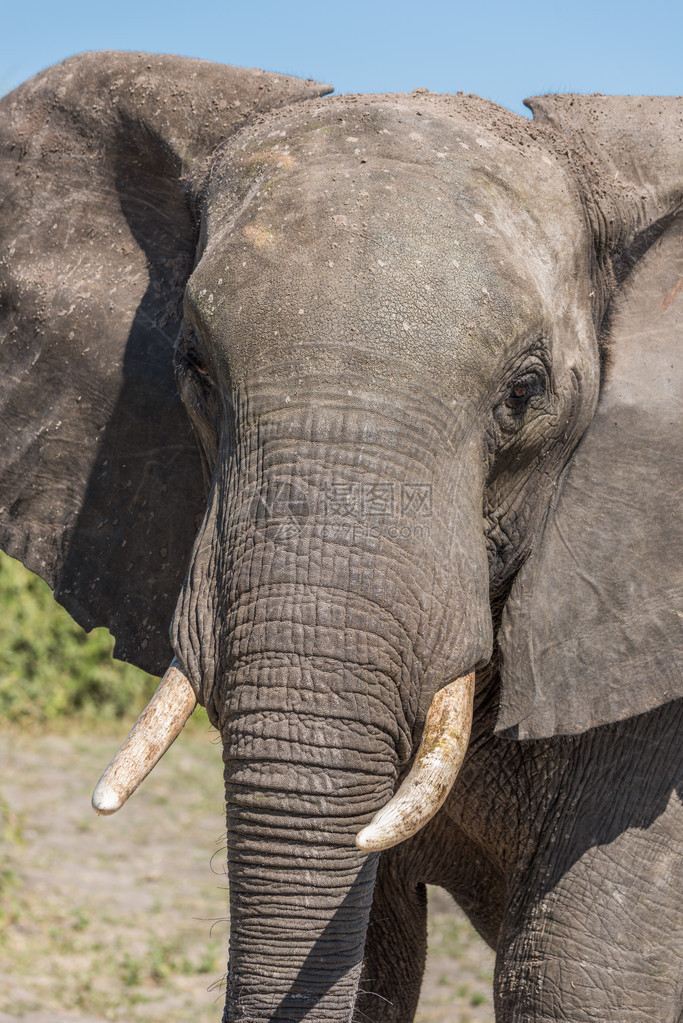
pixel 360 412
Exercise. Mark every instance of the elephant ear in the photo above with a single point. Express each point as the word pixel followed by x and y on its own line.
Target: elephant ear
pixel 101 486
pixel 591 632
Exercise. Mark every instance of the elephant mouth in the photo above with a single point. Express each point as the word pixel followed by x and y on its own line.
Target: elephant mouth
pixel 420 796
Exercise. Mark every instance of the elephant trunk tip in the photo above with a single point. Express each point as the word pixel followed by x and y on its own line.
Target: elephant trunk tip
pixel 435 768
pixel 151 736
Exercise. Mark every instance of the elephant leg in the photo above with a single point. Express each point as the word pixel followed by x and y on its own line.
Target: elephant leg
pixel 395 948
pixel 595 931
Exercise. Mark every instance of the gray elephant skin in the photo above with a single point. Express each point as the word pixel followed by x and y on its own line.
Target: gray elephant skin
pixel 360 395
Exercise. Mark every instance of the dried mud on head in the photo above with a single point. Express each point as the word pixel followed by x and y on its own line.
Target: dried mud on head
pixel 125 918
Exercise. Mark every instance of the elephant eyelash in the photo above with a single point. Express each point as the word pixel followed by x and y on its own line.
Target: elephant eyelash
pixel 523 390
pixel 196 363
pixel 189 357
pixel 529 388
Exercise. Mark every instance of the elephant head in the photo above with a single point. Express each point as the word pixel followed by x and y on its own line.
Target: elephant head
pixel 323 385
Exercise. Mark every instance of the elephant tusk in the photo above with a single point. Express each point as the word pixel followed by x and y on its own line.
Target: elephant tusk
pixel 152 734
pixel 435 768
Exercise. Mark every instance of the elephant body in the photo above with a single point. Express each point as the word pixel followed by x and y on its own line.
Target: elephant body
pixel 378 394
pixel 561 853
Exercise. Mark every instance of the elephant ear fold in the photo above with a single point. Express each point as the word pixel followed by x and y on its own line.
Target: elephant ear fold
pixel 592 628
pixel 101 485
pixel 628 151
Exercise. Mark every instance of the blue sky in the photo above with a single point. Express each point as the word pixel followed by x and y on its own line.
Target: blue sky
pixel 503 51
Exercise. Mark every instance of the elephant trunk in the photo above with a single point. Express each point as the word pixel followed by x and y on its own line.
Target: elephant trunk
pixel 327 600
pixel 314 734
pixel 298 789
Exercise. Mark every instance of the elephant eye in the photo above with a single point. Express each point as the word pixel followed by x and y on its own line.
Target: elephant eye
pixel 196 363
pixel 522 391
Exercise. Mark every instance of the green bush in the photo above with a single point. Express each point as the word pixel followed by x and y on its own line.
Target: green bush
pixel 49 667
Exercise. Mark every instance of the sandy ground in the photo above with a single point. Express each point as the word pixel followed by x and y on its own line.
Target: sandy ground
pixel 124 918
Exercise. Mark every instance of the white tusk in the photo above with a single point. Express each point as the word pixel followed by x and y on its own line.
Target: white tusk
pixel 435 768
pixel 154 731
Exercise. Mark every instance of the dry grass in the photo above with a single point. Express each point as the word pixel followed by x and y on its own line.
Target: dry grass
pixel 124 918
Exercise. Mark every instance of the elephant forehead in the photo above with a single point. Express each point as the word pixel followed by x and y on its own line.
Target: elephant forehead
pixel 420 246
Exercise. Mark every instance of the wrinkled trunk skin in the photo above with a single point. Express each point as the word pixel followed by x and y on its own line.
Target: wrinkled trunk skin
pixel 300 892
pixel 320 614
pixel 312 745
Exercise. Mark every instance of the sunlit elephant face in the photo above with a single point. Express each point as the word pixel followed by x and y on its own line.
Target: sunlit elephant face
pixel 424 263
